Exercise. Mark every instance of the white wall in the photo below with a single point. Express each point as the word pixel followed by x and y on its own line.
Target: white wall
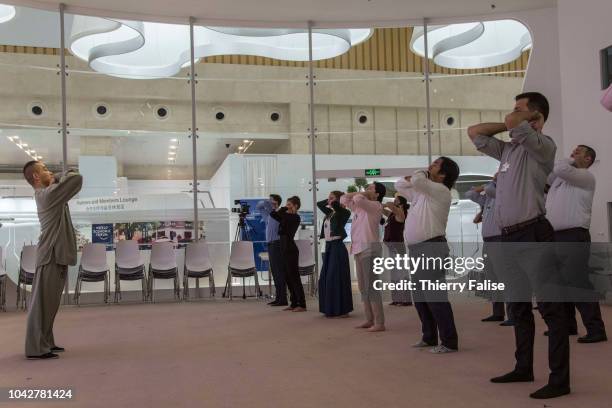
pixel 584 29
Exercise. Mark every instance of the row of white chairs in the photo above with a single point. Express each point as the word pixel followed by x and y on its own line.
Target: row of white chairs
pixel 162 265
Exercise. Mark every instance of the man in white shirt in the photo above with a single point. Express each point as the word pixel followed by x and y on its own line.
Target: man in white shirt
pixel 568 208
pixel 424 234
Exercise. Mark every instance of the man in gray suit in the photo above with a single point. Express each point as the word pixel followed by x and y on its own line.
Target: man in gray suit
pixel 56 250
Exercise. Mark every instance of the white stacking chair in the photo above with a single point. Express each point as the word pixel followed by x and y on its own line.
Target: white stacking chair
pixel 242 265
pixel 27 269
pixel 93 268
pixel 197 265
pixel 306 263
pixel 162 265
pixel 129 266
pixel 3 282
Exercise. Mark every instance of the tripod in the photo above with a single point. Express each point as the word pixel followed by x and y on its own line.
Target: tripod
pixel 242 234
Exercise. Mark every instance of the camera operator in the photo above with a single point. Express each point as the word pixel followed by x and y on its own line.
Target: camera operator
pixel 265 207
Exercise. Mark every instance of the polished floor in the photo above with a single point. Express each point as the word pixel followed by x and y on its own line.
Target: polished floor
pixel 246 354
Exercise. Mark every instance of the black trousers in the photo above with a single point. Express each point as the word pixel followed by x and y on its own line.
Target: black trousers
pixel 433 307
pixel 291 255
pixel 489 251
pixel 277 267
pixel 529 266
pixel 573 263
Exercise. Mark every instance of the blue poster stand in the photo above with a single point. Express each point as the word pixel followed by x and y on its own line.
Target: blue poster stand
pixel 256 230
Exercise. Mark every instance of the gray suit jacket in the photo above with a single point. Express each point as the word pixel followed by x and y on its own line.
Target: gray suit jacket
pixel 57 239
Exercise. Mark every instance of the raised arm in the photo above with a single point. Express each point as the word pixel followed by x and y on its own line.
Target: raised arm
pixel 476 196
pixel 322 205
pixel 486 129
pixel 482 137
pixel 68 186
pixel 347 199
pixel 422 184
pixel 397 212
pixel 491 189
pixel 539 146
pixel 404 188
pixel 278 214
pixel 361 201
pixel 581 178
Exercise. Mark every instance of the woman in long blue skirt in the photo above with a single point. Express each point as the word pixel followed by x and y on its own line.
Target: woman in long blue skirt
pixel 335 291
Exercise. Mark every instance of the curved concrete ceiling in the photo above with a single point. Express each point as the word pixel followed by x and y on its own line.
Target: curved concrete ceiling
pixel 288 13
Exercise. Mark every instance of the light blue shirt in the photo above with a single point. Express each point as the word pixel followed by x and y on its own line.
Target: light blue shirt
pixel 265 208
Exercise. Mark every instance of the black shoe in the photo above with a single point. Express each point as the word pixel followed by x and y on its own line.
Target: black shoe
pixel 493 318
pixel 394 303
pixel 595 338
pixel 512 377
pixel 550 391
pixel 406 304
pixel 272 303
pixel 571 333
pixel 57 349
pixel 507 323
pixel 45 356
pixel 279 304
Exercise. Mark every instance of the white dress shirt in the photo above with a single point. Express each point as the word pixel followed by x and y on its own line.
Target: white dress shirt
pixel 570 198
pixel 429 206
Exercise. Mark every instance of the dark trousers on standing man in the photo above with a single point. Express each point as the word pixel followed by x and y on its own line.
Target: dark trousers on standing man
pixel 432 306
pixel 489 248
pixel 573 253
pixel 528 267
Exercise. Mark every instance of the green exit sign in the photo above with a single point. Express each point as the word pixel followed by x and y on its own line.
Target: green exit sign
pixel 372 172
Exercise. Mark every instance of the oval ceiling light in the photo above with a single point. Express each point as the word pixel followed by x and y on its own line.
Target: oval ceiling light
pixel 7 13
pixel 134 49
pixel 473 45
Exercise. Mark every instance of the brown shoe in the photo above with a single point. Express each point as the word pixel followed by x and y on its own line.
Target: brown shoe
pixel 299 309
pixel 288 308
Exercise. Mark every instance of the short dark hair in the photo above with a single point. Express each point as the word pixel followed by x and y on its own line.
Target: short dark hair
pixel 276 198
pixel 536 102
pixel 337 194
pixel 28 171
pixel 381 190
pixel 589 151
pixel 450 169
pixel 295 200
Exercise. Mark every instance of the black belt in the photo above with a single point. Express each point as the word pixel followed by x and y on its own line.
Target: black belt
pixel 522 225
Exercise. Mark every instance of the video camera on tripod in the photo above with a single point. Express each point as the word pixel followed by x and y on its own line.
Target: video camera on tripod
pixel 242 209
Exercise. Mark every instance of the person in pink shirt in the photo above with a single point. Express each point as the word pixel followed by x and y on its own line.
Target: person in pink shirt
pixel 367 212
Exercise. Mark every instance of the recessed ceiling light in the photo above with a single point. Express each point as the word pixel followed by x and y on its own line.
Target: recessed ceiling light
pixel 174 140
pixel 172 147
pixel 246 140
pixel 172 153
